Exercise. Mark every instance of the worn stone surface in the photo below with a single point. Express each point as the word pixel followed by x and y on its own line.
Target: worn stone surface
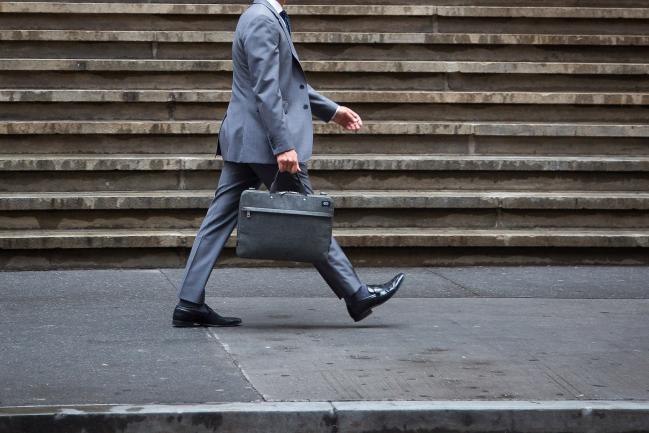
pixel 355 96
pixel 328 180
pixel 221 9
pixel 400 237
pixel 329 38
pixel 369 128
pixel 332 66
pixel 492 129
pixel 558 78
pixel 109 127
pixel 129 258
pixel 182 199
pixel 333 162
pixel 335 144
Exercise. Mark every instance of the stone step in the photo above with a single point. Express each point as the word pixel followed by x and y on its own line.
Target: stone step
pixel 179 79
pixel 341 96
pixel 182 74
pixel 358 238
pixel 331 144
pixel 331 179
pixel 346 217
pixel 331 172
pixel 330 51
pixel 363 66
pixel 336 10
pixel 368 199
pixel 338 18
pixel 361 217
pixel 369 128
pixel 491 3
pixel 504 3
pixel 423 38
pixel 422 189
pixel 116 180
pixel 350 162
pixel 371 112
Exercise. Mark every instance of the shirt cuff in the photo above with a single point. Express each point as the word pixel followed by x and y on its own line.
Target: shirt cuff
pixel 336 112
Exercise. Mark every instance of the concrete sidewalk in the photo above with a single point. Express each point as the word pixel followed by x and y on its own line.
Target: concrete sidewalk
pixel 483 333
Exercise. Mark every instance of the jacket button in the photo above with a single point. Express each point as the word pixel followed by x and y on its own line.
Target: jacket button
pixel 301 86
pixel 305 106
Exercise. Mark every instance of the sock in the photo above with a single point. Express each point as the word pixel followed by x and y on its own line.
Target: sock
pixel 189 304
pixel 361 293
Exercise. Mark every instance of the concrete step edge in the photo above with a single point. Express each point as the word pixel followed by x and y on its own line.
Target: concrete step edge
pixel 340 417
pixel 385 66
pixel 348 10
pixel 523 129
pixel 348 96
pixel 185 36
pixel 357 237
pixel 445 162
pixel 353 199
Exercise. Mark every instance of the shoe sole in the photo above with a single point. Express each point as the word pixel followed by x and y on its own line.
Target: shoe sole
pixel 364 314
pixel 183 324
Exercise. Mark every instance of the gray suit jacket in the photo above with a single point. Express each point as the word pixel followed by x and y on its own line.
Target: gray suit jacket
pixel 271 107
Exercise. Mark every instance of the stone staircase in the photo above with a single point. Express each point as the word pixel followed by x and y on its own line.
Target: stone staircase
pixel 495 132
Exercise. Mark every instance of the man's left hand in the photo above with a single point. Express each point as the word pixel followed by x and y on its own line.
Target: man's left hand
pixel 348 119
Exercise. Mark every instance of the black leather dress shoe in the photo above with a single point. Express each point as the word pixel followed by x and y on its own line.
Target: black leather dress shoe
pixel 202 316
pixel 360 309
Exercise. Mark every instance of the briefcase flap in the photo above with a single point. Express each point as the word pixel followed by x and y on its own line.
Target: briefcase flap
pixel 284 226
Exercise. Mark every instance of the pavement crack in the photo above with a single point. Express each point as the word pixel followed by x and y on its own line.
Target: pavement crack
pixel 226 348
pixel 168 279
pixel 474 293
pixel 563 383
pixel 334 417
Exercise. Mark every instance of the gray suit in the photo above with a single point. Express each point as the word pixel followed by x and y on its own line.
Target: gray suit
pixel 271 107
pixel 270 112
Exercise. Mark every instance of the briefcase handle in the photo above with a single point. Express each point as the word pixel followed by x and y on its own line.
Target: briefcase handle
pixel 296 181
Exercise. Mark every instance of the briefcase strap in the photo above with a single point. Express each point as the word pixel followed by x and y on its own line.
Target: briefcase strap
pixel 294 176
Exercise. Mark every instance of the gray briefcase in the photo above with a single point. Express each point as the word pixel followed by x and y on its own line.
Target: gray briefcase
pixel 284 225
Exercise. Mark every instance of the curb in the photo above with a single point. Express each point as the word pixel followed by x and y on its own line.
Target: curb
pixel 336 417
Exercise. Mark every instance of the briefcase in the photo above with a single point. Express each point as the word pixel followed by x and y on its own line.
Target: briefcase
pixel 284 225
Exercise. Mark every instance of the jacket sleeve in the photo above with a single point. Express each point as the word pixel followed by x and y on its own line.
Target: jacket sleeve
pixel 261 45
pixel 323 107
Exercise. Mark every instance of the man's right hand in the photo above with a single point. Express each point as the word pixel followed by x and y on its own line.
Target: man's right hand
pixel 287 161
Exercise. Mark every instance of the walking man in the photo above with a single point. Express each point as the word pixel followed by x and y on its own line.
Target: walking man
pixel 268 127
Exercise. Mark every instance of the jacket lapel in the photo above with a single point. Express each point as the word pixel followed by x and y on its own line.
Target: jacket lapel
pixel 283 26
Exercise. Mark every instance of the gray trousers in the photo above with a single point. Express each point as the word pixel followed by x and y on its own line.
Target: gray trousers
pixel 221 219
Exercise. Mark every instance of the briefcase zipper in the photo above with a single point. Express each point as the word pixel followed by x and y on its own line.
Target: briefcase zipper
pixel 250 209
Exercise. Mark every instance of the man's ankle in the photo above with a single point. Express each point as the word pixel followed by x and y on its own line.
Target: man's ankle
pixel 360 294
pixel 189 304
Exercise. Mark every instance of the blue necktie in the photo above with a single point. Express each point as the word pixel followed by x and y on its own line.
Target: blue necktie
pixel 284 15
